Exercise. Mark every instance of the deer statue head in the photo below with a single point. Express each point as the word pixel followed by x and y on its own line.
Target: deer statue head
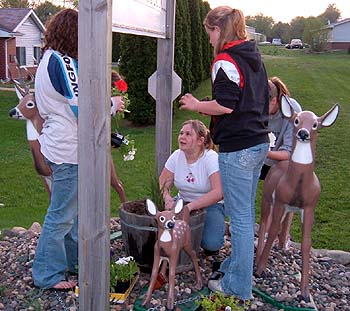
pixel 173 236
pixel 291 186
pixel 27 110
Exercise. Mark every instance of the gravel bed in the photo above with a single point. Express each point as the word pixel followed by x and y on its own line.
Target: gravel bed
pixel 329 281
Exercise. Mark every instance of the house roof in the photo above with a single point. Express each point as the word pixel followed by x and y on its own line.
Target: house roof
pixel 332 25
pixel 12 18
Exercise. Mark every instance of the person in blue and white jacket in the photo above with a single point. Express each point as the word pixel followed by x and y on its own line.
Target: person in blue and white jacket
pixel 56 93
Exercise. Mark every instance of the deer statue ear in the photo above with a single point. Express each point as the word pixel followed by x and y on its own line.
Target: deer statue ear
pixel 330 116
pixel 286 107
pixel 179 206
pixel 151 207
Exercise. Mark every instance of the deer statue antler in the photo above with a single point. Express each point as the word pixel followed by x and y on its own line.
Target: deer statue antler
pixel 292 185
pixel 173 236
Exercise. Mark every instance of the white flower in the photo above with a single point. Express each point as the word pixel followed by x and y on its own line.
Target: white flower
pixel 124 260
pixel 131 154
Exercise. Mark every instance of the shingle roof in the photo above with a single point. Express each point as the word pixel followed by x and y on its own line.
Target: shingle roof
pixel 10 18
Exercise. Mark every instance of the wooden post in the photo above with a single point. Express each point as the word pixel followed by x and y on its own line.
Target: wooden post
pixel 95 38
pixel 164 100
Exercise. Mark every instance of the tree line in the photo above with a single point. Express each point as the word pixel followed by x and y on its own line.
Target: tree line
pixel 305 28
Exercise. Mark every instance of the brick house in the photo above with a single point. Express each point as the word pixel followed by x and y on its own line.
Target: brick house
pixel 21 35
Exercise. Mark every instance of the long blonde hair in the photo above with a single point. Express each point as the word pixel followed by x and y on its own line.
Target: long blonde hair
pixel 231 23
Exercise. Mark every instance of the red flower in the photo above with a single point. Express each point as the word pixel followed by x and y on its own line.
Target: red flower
pixel 121 85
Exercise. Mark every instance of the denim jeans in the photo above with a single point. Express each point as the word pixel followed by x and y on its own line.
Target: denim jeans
pixel 57 249
pixel 214 227
pixel 240 172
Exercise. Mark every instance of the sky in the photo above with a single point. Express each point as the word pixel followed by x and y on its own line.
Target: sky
pixel 284 10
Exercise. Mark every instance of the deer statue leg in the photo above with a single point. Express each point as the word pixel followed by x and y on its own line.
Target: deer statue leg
pixel 155 268
pixel 284 233
pixel 305 252
pixel 190 251
pixel 172 270
pixel 263 226
pixel 277 213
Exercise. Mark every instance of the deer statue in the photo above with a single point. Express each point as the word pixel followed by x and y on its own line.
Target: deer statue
pixel 292 185
pixel 27 110
pixel 173 236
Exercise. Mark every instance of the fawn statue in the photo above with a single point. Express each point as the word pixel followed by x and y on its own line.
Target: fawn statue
pixel 27 110
pixel 173 236
pixel 291 186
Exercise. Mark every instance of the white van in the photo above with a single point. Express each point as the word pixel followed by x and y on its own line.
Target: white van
pixel 276 41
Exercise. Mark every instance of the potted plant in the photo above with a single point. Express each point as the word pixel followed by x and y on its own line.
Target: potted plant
pixel 220 302
pixel 122 273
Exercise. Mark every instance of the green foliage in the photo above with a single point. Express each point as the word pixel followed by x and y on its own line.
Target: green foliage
pixel 138 62
pixel 197 42
pixel 15 4
pixel 262 24
pixel 2 290
pixel 331 14
pixel 218 301
pixel 156 192
pixel 45 10
pixel 122 271
pixel 183 50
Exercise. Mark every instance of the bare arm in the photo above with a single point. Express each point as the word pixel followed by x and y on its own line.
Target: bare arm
pixel 166 180
pixel 213 196
pixel 211 107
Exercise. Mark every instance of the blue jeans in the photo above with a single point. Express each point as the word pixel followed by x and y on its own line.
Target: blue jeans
pixel 57 249
pixel 240 172
pixel 214 227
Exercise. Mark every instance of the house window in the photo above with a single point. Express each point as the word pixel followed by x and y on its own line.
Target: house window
pixel 21 55
pixel 36 54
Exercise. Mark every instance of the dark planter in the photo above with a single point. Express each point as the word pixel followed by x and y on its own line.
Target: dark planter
pixel 140 232
pixel 122 286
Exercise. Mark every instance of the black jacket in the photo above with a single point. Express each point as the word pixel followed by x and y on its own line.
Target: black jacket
pixel 239 82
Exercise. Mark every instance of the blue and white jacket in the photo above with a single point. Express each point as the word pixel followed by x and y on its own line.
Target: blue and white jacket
pixel 56 94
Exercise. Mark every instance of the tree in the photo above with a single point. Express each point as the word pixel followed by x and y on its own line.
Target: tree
pixel 282 31
pixel 183 50
pixel 207 49
pixel 138 62
pixel 331 14
pixel 46 10
pixel 196 40
pixel 297 26
pixel 262 24
pixel 311 33
pixel 15 4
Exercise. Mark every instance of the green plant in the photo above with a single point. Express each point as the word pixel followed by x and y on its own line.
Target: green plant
pixel 123 270
pixel 156 192
pixel 218 301
pixel 2 290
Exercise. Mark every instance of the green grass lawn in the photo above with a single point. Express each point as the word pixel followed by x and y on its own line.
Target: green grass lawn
pixel 316 81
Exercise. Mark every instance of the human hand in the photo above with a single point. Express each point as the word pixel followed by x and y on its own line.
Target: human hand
pixel 118 103
pixel 188 102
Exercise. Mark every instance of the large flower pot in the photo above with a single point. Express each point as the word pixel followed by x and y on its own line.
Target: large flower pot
pixel 139 232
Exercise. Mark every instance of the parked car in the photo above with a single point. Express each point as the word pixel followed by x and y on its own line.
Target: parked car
pixel 294 44
pixel 276 41
pixel 264 43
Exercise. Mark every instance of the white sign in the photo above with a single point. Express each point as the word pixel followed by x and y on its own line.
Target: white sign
pixel 140 17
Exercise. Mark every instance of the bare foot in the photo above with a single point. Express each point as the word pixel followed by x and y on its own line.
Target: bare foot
pixel 65 285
